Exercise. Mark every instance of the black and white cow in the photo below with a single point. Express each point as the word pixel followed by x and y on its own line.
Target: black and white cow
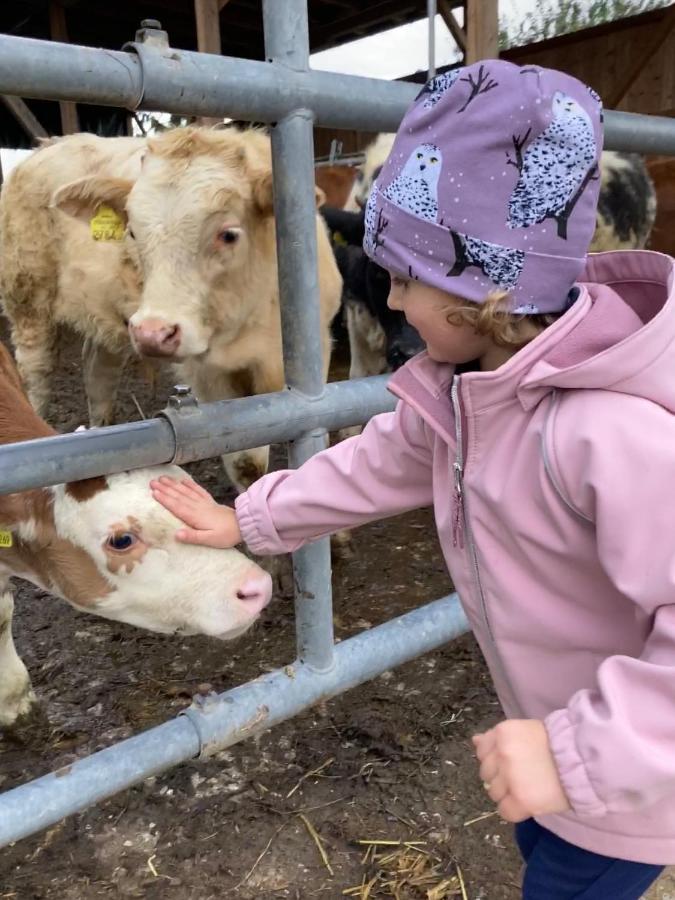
pixel 380 339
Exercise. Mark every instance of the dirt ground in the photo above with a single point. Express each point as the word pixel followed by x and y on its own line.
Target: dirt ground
pixel 391 759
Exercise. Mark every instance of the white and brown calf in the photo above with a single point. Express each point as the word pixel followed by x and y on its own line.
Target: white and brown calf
pixel 108 548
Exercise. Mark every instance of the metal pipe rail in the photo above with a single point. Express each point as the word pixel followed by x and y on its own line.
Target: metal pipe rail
pixel 188 83
pixel 218 721
pixel 287 45
pixel 185 432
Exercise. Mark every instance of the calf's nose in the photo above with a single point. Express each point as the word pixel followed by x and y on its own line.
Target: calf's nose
pixel 255 592
pixel 155 337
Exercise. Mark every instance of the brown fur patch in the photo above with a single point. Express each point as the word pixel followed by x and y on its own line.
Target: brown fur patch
pixel 87 488
pixel 18 419
pixel 47 559
pixel 126 559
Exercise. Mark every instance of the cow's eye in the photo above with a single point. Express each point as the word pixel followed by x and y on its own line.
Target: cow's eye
pixel 229 235
pixel 125 540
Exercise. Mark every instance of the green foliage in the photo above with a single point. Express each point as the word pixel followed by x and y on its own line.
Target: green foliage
pixel 554 17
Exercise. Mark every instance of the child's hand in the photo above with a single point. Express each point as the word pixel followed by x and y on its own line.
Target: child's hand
pixel 210 524
pixel 518 770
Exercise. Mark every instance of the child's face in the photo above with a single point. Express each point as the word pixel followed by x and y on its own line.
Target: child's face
pixel 427 309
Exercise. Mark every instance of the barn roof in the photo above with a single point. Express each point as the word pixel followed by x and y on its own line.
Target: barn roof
pixel 101 24
pixel 331 22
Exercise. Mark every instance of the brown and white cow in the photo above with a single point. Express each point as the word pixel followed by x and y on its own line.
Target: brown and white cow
pixel 108 548
pixel 192 278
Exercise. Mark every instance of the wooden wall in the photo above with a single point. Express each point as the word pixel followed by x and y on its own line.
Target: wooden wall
pixel 630 63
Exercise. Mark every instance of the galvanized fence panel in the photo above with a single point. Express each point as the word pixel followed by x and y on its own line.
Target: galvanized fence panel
pixel 283 91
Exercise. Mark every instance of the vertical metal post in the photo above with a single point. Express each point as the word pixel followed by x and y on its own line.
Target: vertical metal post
pixel 431 21
pixel 287 44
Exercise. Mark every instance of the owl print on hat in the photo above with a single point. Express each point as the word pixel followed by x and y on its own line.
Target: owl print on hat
pixel 415 189
pixel 437 86
pixel 555 168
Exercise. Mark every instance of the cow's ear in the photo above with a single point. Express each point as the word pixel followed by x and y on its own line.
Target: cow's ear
pixel 83 198
pixel 263 194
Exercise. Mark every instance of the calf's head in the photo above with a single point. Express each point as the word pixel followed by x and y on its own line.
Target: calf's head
pixel 116 556
pixel 106 546
pixel 199 220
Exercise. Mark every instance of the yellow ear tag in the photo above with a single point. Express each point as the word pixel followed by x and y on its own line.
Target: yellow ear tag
pixel 107 225
pixel 6 539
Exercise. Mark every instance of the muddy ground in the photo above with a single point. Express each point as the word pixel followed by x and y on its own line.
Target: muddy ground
pixel 393 755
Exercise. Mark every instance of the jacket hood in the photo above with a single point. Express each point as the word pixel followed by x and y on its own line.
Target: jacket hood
pixel 619 335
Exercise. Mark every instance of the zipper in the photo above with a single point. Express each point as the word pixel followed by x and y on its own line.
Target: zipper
pixel 461 530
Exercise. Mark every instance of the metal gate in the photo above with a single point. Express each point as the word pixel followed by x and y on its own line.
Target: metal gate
pixel 284 92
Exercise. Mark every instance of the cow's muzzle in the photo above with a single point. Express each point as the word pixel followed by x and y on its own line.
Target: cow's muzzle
pixel 156 337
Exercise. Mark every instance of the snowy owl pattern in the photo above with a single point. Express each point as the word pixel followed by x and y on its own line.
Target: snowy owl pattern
pixel 415 189
pixel 502 265
pixel 555 167
pixel 374 223
pixel 598 100
pixel 437 86
pixel 527 309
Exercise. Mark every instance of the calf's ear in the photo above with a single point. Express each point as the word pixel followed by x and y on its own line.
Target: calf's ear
pixel 82 199
pixel 263 194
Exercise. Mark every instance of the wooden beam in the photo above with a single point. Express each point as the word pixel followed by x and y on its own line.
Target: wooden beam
pixel 661 35
pixel 24 116
pixel 207 16
pixel 482 30
pixel 59 32
pixel 208 26
pixel 448 16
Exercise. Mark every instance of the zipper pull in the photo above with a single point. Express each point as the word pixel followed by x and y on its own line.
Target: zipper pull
pixel 458 513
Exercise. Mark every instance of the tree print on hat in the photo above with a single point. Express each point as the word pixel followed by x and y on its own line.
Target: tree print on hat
pixel 555 168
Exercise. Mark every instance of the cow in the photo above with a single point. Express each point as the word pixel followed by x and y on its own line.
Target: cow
pixel 626 212
pixel 380 339
pixel 108 548
pixel 662 172
pixel 336 182
pixel 185 265
pixel 626 205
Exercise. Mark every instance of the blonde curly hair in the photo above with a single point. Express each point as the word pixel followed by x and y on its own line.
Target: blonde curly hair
pixel 494 319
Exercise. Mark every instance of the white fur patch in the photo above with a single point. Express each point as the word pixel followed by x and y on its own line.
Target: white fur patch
pixel 174 588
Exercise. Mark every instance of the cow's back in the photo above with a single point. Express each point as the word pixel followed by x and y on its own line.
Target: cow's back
pixel 36 241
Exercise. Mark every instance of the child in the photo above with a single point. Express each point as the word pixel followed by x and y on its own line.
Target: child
pixel 539 425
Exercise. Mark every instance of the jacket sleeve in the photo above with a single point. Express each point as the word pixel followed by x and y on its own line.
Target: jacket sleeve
pixel 385 470
pixel 614 744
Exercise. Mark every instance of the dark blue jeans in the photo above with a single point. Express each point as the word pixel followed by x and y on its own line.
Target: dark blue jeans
pixel 557 870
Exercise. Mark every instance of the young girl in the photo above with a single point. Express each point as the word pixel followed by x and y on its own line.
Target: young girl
pixel 539 424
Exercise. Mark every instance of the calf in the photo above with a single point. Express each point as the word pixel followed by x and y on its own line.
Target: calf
pixel 185 265
pixel 108 548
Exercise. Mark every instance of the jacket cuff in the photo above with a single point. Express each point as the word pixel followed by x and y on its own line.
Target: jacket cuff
pixel 571 767
pixel 256 526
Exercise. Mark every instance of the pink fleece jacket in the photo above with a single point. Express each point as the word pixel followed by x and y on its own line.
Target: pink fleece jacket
pixel 551 481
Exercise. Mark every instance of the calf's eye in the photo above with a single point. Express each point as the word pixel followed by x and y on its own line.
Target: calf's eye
pixel 229 235
pixel 121 542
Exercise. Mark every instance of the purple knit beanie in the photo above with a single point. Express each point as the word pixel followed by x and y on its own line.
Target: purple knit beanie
pixel 492 183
